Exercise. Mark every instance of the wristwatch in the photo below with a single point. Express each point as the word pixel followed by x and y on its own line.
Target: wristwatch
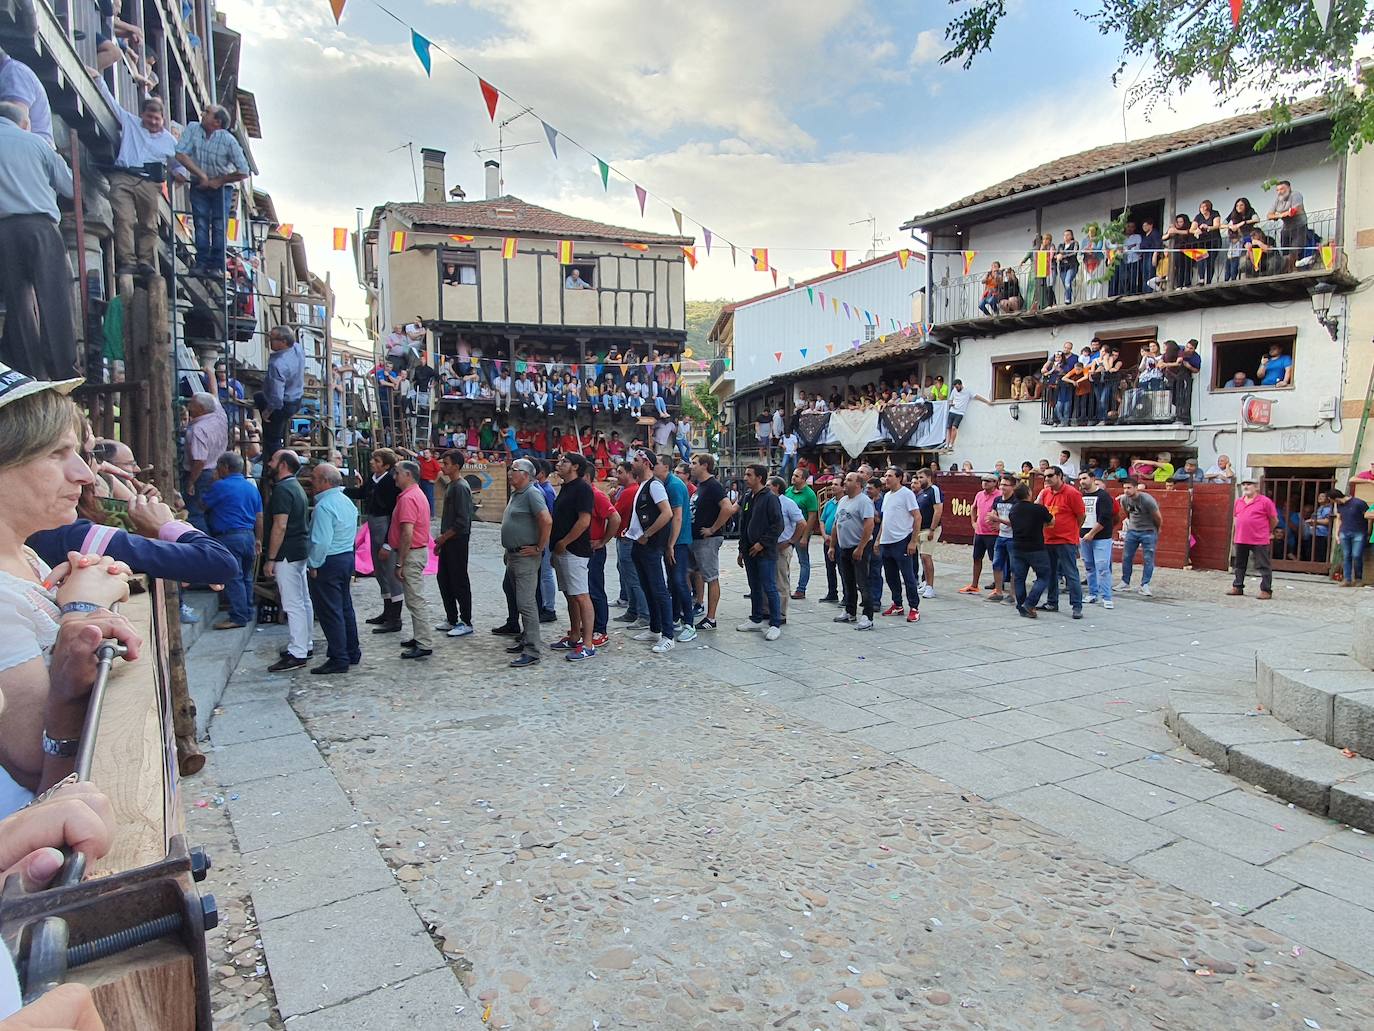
pixel 62 747
pixel 80 606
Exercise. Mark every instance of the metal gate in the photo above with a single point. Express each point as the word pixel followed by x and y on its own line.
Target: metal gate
pixel 1297 547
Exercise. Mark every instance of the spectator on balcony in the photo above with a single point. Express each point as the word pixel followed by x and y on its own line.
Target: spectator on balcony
pixel 1290 211
pixel 992 281
pixel 1261 258
pixel 1222 472
pixel 1093 251
pixel 1041 293
pixel 1190 473
pixel 1152 254
pixel 1009 299
pixel 1126 267
pixel 574 280
pixel 1178 238
pixel 35 278
pixel 1238 225
pixel 1186 369
pixel 1114 473
pixel 1066 264
pixel 209 151
pixel 1206 230
pixel 1061 390
pixel 1276 368
pixel 20 85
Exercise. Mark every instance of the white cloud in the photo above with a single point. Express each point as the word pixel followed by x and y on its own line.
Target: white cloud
pixel 929 46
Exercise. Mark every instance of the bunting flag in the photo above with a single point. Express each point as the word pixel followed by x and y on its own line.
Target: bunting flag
pixel 803 351
pixel 421 46
pixel 760 259
pixel 285 229
pixel 521 366
pixel 337 7
pixel 625 368
pixel 810 295
pixel 605 171
pixel 565 252
pixel 398 241
pixel 777 356
pixel 829 348
pixel 835 304
pixel 1328 253
pixel 1323 9
pixel 690 253
pixel 677 367
pixel 231 229
pixel 1196 253
pixel 491 95
pixel 677 217
pixel 856 344
pixel 460 238
pixel 1236 5
pixel 642 195
pixel 791 283
pixel 637 246
pixel 968 261
pixel 775 275
pixel 1042 264
pixel 840 259
pixel 340 239
pixel 821 295
pixel 184 221
pixel 508 248
pixel 845 306
pixel 1256 256
pixel 903 256
pixel 552 135
pixel 867 316
pixel 734 256
pixel 706 239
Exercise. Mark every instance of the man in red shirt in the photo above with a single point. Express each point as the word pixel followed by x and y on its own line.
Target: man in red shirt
pixel 409 539
pixel 429 474
pixel 1255 519
pixel 541 443
pixel 605 526
pixel 1061 538
pixel 637 606
pixel 568 442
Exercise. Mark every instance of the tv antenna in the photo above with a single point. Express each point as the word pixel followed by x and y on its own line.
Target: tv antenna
pixel 501 147
pixel 878 240
pixel 409 145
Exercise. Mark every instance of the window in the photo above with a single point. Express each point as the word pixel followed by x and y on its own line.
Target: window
pixel 459 268
pixel 1151 210
pixel 1236 358
pixel 870 331
pixel 1015 371
pixel 580 275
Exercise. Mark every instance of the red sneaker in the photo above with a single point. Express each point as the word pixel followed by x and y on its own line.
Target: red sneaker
pixel 893 610
pixel 599 639
pixel 914 616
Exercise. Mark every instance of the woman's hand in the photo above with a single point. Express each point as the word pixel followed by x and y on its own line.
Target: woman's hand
pixel 71 674
pixel 98 579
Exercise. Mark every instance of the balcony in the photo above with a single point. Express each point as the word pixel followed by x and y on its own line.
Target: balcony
pixel 1125 290
pixel 1133 414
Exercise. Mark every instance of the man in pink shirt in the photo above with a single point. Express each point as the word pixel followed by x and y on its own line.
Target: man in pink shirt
pixel 409 539
pixel 984 532
pixel 1255 519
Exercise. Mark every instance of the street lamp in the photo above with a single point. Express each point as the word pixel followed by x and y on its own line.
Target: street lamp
pixel 259 227
pixel 1322 294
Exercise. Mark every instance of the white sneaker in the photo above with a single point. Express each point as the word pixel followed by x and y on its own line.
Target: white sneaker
pixel 444 627
pixel 749 626
pixel 1145 591
pixel 1090 600
pixel 864 623
pixel 459 630
pixel 687 633
pixel 927 591
pixel 1124 588
pixel 646 635
pixel 665 644
pixel 1109 604
pixel 772 633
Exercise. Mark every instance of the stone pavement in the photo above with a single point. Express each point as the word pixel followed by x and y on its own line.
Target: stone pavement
pixel 745 834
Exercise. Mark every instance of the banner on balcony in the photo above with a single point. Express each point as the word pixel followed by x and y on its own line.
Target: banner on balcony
pixel 1196 253
pixel 641 247
pixel 565 252
pixel 968 261
pixel 231 230
pixel 1328 255
pixel 460 238
pixel 1042 264
pixel 1256 256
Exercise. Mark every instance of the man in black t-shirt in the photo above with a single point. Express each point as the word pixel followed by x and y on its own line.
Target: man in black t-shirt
pixel 287 533
pixel 1099 519
pixel 711 510
pixel 571 545
pixel 1028 521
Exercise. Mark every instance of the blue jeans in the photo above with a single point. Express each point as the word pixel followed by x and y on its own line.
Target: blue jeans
pixel 803 551
pixel 900 569
pixel 1001 558
pixel 1144 540
pixel 762 571
pixel 684 448
pixel 195 503
pixel 638 605
pixel 1097 560
pixel 239 589
pixel 209 209
pixel 682 590
pixel 661 405
pixel 548 590
pixel 988 304
pixel 1021 562
pixel 789 462
pixel 1102 397
pixel 875 576
pixel 1352 548
pixel 427 489
pixel 596 587
pixel 1064 562
pixel 649 565
pixel 1063 405
pixel 332 595
pixel 1067 276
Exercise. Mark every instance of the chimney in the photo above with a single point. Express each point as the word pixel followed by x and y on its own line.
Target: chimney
pixel 432 162
pixel 493 170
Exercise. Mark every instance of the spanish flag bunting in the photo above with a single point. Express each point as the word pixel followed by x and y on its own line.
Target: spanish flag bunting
pixel 398 241
pixel 641 195
pixel 1236 5
pixel 829 348
pixel 1196 253
pixel 760 259
pixel 677 217
pixel 624 368
pixel 637 246
pixel 565 252
pixel 231 229
pixel 1042 264
pixel 690 253
pixel 1328 255
pixel 508 248
pixel 1256 256
pixel 491 95
pixel 840 259
pixel 340 239
pixel 285 229
pixel 777 356
pixel 835 304
pixel 968 261
pixel 337 7
pixel 903 256
pixel 460 237
pixel 183 221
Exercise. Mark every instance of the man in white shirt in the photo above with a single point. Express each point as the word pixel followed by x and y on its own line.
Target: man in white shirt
pixel 897 545
pixel 1069 466
pixel 790 443
pixel 794 528
pixel 574 280
pixel 502 385
pixel 959 400
pixel 777 423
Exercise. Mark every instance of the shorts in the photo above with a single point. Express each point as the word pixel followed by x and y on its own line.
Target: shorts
pixel 955 418
pixel 706 555
pixel 571 571
pixel 984 544
pixel 930 536
pixel 1001 556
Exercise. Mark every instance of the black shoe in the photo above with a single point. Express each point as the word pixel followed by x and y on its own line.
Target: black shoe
pixel 830 597
pixel 548 617
pixel 1077 613
pixel 517 647
pixel 354 662
pixel 285 663
pixel 381 617
pixel 387 628
pixel 286 651
pixel 416 652
pixel 524 660
pixel 331 667
pixel 624 617
pixel 506 630
pixel 412 643
pixel 1048 608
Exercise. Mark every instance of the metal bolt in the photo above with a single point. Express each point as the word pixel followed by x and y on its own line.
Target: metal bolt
pixel 200 863
pixel 210 911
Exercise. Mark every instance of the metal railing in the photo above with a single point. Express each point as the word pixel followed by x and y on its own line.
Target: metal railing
pixel 1120 404
pixel 966 297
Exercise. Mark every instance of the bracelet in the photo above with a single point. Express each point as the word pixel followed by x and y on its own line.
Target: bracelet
pixel 62 747
pixel 80 606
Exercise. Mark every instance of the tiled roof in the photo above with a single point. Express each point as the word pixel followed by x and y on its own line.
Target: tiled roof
pixel 1102 159
pixel 512 215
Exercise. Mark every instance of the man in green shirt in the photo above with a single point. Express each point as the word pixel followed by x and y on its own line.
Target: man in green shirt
pixel 802 493
pixel 286 548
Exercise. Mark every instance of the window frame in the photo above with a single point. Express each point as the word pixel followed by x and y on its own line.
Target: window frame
pixel 462 257
pixel 1286 336
pixel 589 267
pixel 1038 358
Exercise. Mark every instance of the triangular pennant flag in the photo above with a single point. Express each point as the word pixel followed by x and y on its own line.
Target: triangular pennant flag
pixel 637 246
pixel 821 295
pixel 1323 9
pixel 803 351
pixel 1196 253
pixel 231 230
pixel 810 295
pixel 508 248
pixel 573 370
pixel 677 217
pixel 1235 12
pixel 677 366
pixel 491 95
pixel 642 194
pixel 835 304
pixel 706 239
pixel 398 241
pixel 903 256
pixel 846 308
pixel 1042 264
pixel 777 356
pixel 340 239
pixel 868 317
pixel 760 259
pixel 460 237
pixel 605 171
pixel 856 344
pixel 775 275
pixel 829 348
pixel 968 261
pixel 840 259
pixel 729 362
pixel 791 283
pixel 565 252
pixel 421 46
pixel 690 253
pixel 1256 256
pixel 337 7
pixel 285 229
pixel 624 368
pixel 1328 253
pixel 552 135
pixel 522 366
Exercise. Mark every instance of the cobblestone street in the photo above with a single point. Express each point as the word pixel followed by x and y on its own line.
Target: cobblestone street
pixel 973 822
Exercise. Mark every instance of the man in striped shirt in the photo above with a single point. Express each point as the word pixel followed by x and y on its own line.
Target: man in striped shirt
pixel 214 158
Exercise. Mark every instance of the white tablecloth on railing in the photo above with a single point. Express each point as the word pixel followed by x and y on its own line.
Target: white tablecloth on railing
pixel 866 424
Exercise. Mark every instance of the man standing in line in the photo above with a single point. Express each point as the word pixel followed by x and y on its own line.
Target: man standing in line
pixel 1099 518
pixel 571 544
pixel 826 518
pixel 650 530
pixel 931 501
pixel 677 548
pixel 637 606
pixel 283 387
pixel 848 545
pixel 207 437
pixel 455 534
pixel 233 508
pixel 286 555
pixel 525 529
pixel 803 495
pixel 329 555
pixel 1028 551
pixel 604 529
pixel 898 546
pixel 1065 504
pixel 214 158
pixel 760 525
pixel 547 587
pixel 1353 528
pixel 409 541
pixel 1143 523
pixel 1001 554
pixel 1253 534
pixel 984 520
pixel 873 488
pixel 790 444
pixel 793 527
pixel 711 510
pixel 378 494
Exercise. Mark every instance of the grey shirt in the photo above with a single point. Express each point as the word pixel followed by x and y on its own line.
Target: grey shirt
pixel 850 514
pixel 1141 511
pixel 458 509
pixel 285 377
pixel 520 523
pixel 32 174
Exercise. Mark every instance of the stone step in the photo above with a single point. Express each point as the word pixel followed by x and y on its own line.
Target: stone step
pixel 1364 633
pixel 1324 695
pixel 210 662
pixel 206 606
pixel 1224 725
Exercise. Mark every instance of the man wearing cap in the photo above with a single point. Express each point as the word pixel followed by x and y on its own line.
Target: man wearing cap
pixel 1255 519
pixel 572 552
pixel 984 520
pixel 525 529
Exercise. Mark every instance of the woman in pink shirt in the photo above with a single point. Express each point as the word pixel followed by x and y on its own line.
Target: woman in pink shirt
pixel 1255 519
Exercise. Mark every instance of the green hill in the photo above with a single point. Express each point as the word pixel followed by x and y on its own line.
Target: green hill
pixel 701 316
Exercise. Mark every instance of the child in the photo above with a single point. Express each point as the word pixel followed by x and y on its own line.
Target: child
pixel 593 394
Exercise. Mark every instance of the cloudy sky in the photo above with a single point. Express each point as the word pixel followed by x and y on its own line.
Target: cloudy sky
pixel 773 123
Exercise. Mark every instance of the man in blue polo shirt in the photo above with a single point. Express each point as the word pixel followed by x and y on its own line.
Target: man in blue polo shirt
pixel 233 509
